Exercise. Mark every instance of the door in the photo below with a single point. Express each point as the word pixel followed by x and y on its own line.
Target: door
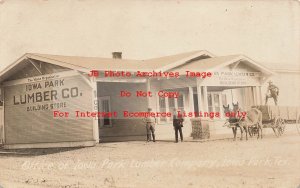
pixel 1 124
pixel 104 106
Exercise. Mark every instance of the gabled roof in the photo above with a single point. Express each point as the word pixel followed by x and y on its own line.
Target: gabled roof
pixel 169 62
pixel 215 63
pixel 179 62
pixel 97 63
pixel 86 64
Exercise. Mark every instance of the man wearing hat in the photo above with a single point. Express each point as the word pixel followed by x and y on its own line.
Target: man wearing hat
pixel 177 124
pixel 272 92
pixel 150 126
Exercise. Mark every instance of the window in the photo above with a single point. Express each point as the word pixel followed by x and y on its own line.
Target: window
pixel 162 107
pixel 180 102
pixel 214 104
pixel 217 102
pixel 224 99
pixel 171 104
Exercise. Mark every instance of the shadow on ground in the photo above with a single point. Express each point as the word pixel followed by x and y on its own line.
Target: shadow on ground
pixel 33 152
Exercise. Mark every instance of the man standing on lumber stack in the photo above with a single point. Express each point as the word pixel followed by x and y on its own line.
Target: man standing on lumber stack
pixel 272 92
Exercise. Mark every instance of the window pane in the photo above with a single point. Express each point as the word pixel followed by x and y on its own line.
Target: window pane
pixel 216 100
pixel 162 102
pixel 171 103
pixel 209 99
pixel 180 101
pixel 224 99
pixel 162 107
pixel 105 108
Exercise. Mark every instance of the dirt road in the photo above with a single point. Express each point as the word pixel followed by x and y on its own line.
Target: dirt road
pixel 270 162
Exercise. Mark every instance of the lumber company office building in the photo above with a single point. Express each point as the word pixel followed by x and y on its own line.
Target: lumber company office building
pixel 36 85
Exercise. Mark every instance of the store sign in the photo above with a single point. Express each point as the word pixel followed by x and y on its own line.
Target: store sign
pixel 29 105
pixel 233 78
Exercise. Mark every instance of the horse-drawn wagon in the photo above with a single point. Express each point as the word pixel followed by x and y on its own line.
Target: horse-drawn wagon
pixel 251 122
pixel 276 117
pixel 264 116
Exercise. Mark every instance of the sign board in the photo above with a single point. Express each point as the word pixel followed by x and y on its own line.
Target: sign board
pixel 29 105
pixel 233 78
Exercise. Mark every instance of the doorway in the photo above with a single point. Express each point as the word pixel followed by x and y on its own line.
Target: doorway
pixel 104 106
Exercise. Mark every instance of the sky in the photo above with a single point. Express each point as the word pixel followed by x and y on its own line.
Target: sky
pixel 266 31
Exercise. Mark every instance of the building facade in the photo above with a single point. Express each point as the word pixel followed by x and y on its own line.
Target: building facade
pixel 46 97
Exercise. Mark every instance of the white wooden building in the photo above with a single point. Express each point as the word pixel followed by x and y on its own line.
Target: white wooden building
pixel 37 84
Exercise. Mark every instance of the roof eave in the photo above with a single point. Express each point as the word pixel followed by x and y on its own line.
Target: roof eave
pixel 59 63
pixel 12 65
pixel 184 60
pixel 260 66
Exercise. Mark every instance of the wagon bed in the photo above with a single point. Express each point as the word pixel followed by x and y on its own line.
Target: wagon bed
pixel 276 117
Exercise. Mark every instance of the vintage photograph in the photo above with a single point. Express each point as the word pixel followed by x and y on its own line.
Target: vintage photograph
pixel 154 93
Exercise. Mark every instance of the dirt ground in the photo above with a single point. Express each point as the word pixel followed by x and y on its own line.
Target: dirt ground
pixel 270 162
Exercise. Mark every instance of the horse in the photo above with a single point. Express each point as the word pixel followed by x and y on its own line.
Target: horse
pixel 252 121
pixel 233 120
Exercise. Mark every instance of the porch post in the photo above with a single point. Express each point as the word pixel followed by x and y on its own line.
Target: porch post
pixel 257 96
pixel 148 89
pixel 167 107
pixel 221 105
pixel 205 98
pixel 191 99
pixel 253 95
pixel 260 95
pixel 157 106
pixel 176 103
pixel 250 98
pixel 199 96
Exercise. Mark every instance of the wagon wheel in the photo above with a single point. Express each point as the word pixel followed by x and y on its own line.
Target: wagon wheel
pixel 275 130
pixel 298 124
pixel 274 125
pixel 280 125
